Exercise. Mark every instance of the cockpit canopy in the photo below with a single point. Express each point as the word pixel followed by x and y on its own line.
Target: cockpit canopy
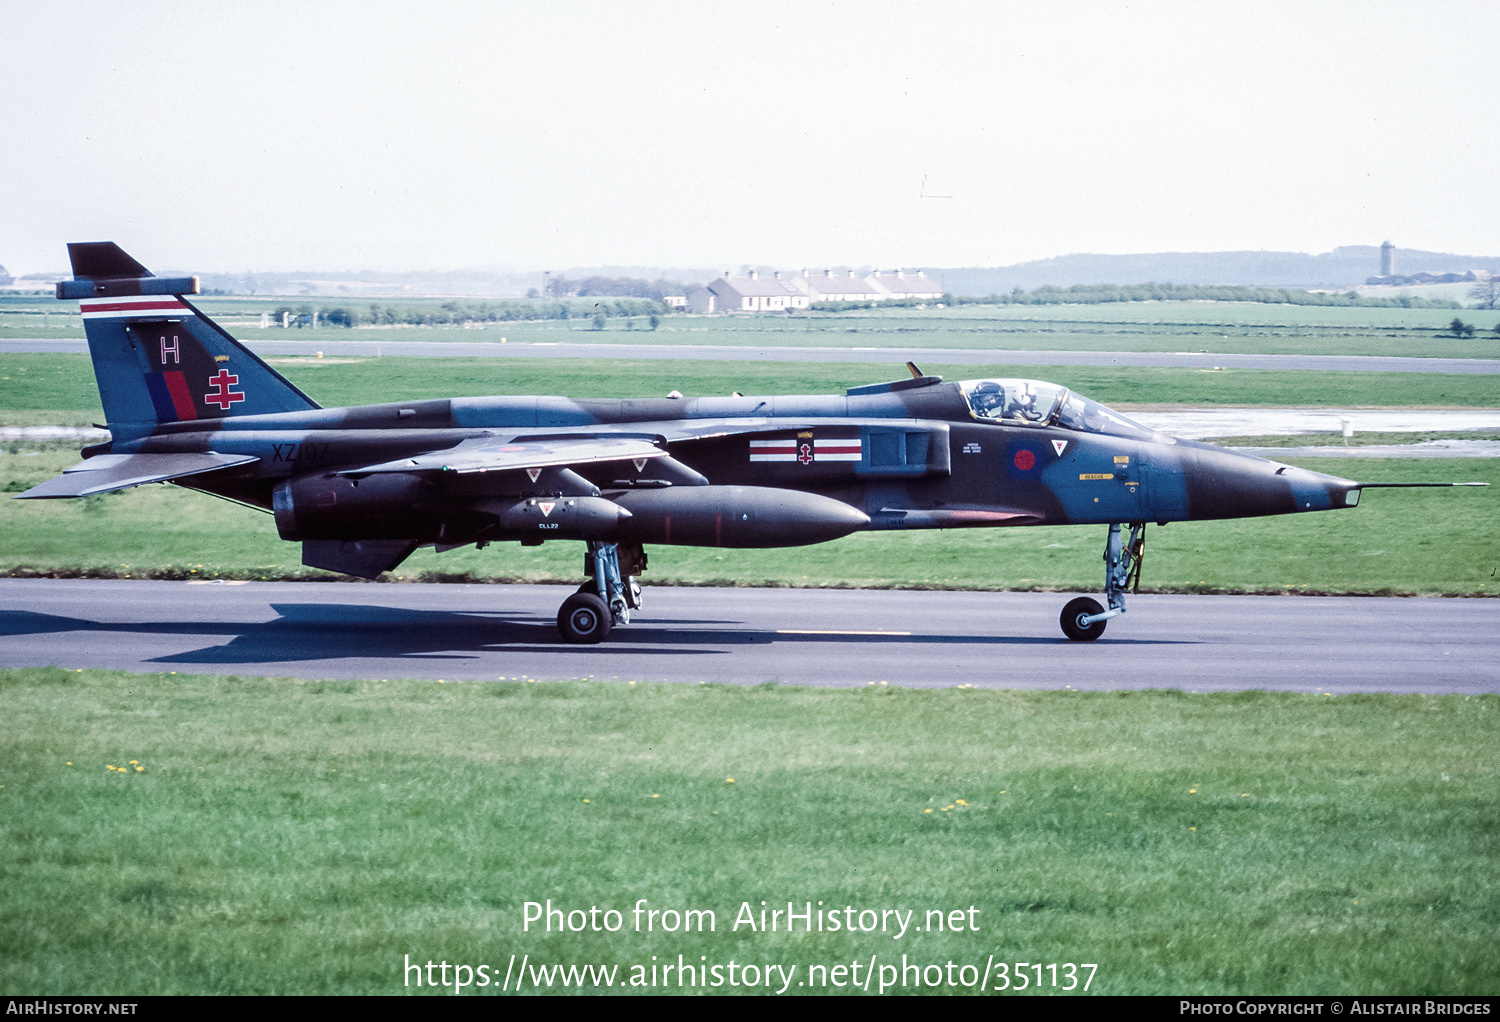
pixel 1037 403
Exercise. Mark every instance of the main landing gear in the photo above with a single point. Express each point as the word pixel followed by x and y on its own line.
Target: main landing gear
pixel 608 597
pixel 1083 620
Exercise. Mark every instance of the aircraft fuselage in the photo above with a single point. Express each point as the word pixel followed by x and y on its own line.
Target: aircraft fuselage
pixel 906 459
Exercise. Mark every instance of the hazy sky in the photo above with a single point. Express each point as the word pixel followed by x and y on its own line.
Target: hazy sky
pixel 210 136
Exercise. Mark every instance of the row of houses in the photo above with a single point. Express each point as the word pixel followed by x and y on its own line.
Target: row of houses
pixel 779 294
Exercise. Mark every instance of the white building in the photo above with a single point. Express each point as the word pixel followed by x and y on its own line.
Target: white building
pixel 701 299
pixel 901 285
pixel 745 294
pixel 830 287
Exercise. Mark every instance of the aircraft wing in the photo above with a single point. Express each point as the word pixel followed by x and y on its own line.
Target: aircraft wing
pixel 492 454
pixel 106 472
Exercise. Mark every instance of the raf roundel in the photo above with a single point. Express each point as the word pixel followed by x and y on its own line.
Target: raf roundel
pixel 1026 459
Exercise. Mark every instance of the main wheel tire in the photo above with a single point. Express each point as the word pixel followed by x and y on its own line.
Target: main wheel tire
pixel 1081 608
pixel 584 619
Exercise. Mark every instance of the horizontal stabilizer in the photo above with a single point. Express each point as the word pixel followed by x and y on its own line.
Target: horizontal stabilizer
pixel 505 456
pixel 118 471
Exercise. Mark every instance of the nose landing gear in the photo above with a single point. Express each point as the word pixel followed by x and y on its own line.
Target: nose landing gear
pixel 1083 620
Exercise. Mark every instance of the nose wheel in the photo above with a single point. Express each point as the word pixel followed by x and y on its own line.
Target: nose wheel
pixel 1079 611
pixel 1083 620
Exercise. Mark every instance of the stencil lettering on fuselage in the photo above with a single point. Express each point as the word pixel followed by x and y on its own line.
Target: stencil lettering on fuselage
pixel 301 453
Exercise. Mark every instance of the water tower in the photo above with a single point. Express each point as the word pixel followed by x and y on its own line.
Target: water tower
pixel 1387 259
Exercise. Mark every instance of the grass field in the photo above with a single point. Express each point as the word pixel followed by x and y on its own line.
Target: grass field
pixel 304 837
pixel 1371 439
pixel 1211 327
pixel 60 390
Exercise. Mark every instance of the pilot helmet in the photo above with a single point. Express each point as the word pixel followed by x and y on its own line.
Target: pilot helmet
pixel 988 395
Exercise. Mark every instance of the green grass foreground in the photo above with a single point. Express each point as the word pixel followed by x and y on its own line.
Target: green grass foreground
pixel 303 837
pixel 1428 541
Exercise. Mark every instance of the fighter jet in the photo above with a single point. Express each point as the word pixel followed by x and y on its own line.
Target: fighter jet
pixel 362 487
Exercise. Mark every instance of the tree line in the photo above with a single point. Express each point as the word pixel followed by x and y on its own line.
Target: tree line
pixel 1102 294
pixel 1458 328
pixel 1098 294
pixel 458 313
pixel 612 287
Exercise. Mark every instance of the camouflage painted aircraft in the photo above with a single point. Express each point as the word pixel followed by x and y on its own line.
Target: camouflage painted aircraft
pixel 363 487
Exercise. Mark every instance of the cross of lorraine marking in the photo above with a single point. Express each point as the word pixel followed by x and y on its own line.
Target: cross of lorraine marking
pixel 223 396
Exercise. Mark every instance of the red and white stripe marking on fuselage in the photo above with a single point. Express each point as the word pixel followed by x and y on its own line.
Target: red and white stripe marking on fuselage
pixel 773 450
pixel 838 450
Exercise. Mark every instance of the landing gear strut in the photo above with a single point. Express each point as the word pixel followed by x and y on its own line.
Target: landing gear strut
pixel 608 597
pixel 1083 619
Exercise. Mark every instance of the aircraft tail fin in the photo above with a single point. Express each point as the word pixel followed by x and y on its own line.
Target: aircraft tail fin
pixel 157 358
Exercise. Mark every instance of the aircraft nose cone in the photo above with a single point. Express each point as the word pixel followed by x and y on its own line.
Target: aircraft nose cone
pixel 1222 483
pixel 1317 491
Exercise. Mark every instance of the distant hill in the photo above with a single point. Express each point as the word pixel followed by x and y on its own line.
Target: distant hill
pixel 1345 267
pixel 1342 269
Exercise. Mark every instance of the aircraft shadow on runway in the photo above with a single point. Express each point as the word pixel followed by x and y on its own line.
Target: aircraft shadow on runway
pixel 323 631
pixel 314 631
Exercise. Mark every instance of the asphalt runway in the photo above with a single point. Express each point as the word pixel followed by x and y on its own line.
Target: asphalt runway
pixel 771 353
pixel 794 636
